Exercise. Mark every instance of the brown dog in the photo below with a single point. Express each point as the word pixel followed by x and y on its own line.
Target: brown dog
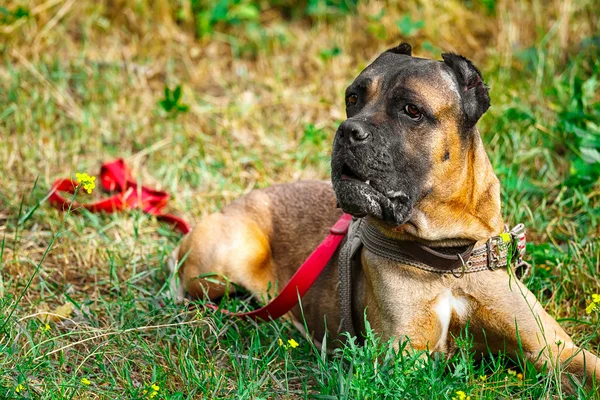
pixel 410 160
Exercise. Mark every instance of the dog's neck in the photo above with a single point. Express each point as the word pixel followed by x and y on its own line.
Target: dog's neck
pixel 462 206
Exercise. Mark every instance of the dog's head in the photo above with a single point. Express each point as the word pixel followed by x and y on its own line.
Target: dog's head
pixel 408 118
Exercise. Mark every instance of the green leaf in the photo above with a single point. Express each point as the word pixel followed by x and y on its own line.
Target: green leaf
pixel 407 26
pixel 427 46
pixel 326 54
pixel 589 90
pixel 245 12
pixel 219 12
pixel 582 174
pixel 590 155
pixel 171 103
pixel 177 94
pixel 21 12
pixel 313 135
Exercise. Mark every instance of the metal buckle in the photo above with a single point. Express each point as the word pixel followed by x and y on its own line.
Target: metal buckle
pixel 522 269
pixel 518 230
pixel 492 257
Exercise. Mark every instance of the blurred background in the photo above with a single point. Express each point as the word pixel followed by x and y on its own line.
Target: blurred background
pixel 236 93
pixel 208 99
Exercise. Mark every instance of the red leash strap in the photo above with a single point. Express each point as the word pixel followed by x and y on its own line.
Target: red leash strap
pixel 115 177
pixel 302 280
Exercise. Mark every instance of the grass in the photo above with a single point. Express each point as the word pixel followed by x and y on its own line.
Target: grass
pixel 260 96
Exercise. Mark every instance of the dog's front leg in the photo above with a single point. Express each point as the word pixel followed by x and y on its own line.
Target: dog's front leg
pixel 509 317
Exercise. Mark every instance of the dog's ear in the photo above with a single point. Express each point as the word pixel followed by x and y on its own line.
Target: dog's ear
pixel 402 48
pixel 474 92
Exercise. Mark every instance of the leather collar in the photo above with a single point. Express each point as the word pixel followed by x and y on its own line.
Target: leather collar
pixel 498 252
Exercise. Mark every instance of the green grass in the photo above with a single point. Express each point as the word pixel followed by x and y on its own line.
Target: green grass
pixel 82 82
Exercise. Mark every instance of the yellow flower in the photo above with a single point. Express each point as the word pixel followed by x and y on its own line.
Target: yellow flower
pixel 291 343
pixel 45 328
pixel 85 381
pixel 88 182
pixel 19 388
pixel 482 378
pixel 591 307
pixel 155 388
pixel 460 395
pixel 520 376
pixel 512 372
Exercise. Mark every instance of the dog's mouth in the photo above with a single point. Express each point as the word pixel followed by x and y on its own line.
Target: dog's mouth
pixel 348 174
pixel 351 176
pixel 360 194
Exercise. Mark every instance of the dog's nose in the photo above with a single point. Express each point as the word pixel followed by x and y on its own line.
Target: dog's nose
pixel 354 131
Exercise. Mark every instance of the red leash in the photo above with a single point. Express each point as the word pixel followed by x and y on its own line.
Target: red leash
pixel 115 177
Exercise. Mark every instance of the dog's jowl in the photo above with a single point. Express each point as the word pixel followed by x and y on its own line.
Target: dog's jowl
pixel 409 163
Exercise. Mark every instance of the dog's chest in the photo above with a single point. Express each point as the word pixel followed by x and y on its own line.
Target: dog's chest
pixel 405 301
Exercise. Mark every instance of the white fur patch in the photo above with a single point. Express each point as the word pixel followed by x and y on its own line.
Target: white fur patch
pixel 443 307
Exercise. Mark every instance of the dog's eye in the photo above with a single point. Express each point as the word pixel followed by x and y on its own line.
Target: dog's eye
pixel 351 100
pixel 413 111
